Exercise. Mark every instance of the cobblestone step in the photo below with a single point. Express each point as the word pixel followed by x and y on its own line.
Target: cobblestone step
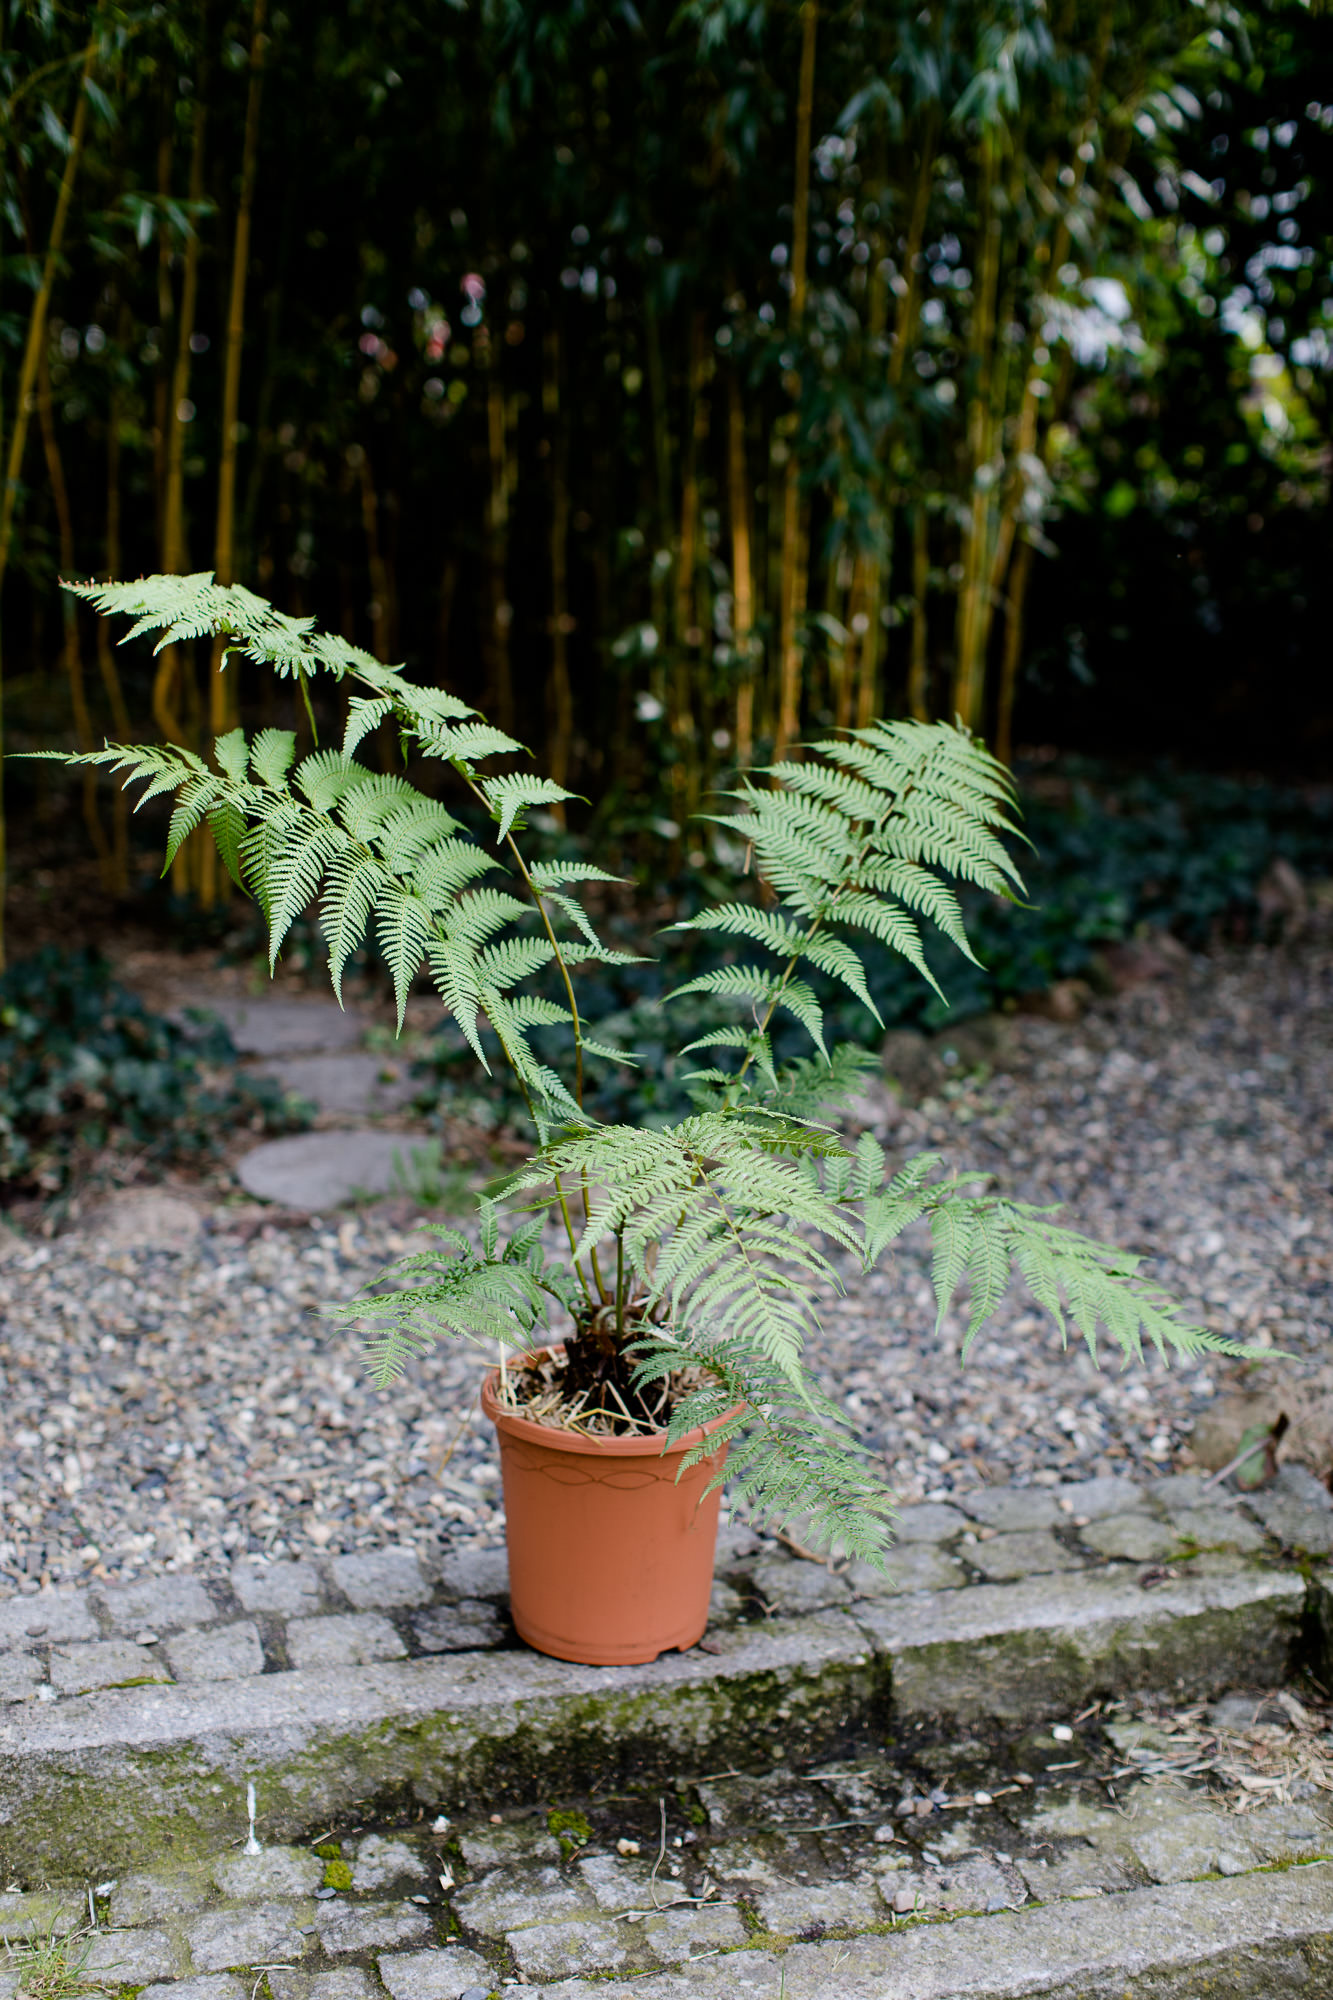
pixel 138 1715
pixel 1259 1939
pixel 862 1879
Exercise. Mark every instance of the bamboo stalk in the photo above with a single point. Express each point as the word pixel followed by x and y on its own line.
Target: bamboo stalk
pixel 166 315
pixel 106 658
pixel 72 651
pixel 33 348
pixel 742 571
pixel 174 554
pixel 685 621
pixel 918 691
pixel 222 702
pixel 793 600
pixel 969 671
pixel 36 337
pixel 870 608
pixel 359 460
pixel 560 702
pixel 1013 652
pixel 497 556
pixel 876 562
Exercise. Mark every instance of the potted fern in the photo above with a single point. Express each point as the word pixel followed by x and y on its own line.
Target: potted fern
pixel 651 1342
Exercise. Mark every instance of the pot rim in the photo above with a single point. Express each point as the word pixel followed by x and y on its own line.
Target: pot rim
pixel 574 1441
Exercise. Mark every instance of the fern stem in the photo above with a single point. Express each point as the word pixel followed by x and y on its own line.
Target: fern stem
pixel 620 1284
pixel 575 1017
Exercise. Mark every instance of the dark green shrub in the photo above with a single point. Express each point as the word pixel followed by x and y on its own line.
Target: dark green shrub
pixel 87 1070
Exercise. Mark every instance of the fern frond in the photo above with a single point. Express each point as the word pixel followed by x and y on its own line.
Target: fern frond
pixel 511 798
pixel 404 929
pixel 447 1288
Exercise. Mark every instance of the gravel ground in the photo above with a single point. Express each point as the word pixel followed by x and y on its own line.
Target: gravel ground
pixel 175 1407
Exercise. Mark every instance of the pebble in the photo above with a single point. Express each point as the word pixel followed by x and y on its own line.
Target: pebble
pixel 174 1408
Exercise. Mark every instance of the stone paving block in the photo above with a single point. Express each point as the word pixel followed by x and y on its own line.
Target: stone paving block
pixel 20 1676
pixel 379 1579
pixel 1027 1552
pixel 909 1566
pixel 1307 1529
pixel 618 1884
pixel 800 1906
pixel 737 1541
pixel 555 1950
pixel 1259 1938
pixel 39 1914
pixel 1028 1650
pixel 272 1024
pixel 1297 1482
pixel 316 1171
pixel 1217 1528
pixel 725 1604
pixel 791 1586
pixel 218 1653
pixel 247 1935
pixel 475 1573
pixel 204 1986
pixel 1013 1509
pixel 490 1846
pixel 514 1897
pixel 1080 1871
pixel 132 1958
pixel 467 1627
pixel 978 1883
pixel 429 1975
pixel 149 1898
pixel 107 1663
pixel 292 1590
pixel 278 1871
pixel 157 1603
pixel 344 1927
pixel 379 1862
pixel 1095 1499
pixel 1281 1832
pixel 354 1085
pixel 741 1862
pixel 932 1521
pixel 684 1933
pixel 1179 1845
pixel 734 1975
pixel 344 1982
pixel 343 1639
pixel 1131 1538
pixel 1185 1489
pixel 47 1618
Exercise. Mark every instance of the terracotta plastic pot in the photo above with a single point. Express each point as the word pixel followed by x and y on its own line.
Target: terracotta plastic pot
pixel 610 1560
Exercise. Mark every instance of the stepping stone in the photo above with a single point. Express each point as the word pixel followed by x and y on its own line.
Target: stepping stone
pixel 144 1219
pixel 320 1170
pixel 269 1024
pixel 354 1084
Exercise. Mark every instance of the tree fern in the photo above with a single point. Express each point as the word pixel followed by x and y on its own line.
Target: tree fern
pixel 723 1229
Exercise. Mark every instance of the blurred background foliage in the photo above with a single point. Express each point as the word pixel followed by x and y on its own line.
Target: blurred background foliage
pixel 671 381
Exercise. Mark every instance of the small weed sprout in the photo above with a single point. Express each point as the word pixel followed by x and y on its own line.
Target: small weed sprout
pixel 53 1966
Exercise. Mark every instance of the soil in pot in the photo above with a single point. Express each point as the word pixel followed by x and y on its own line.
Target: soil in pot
pixel 610 1553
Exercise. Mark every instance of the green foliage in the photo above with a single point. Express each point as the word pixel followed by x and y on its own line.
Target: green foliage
pixel 86 1071
pixel 571 1829
pixel 724 1227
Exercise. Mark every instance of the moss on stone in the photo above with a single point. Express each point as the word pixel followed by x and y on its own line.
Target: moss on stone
pixel 571 1829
